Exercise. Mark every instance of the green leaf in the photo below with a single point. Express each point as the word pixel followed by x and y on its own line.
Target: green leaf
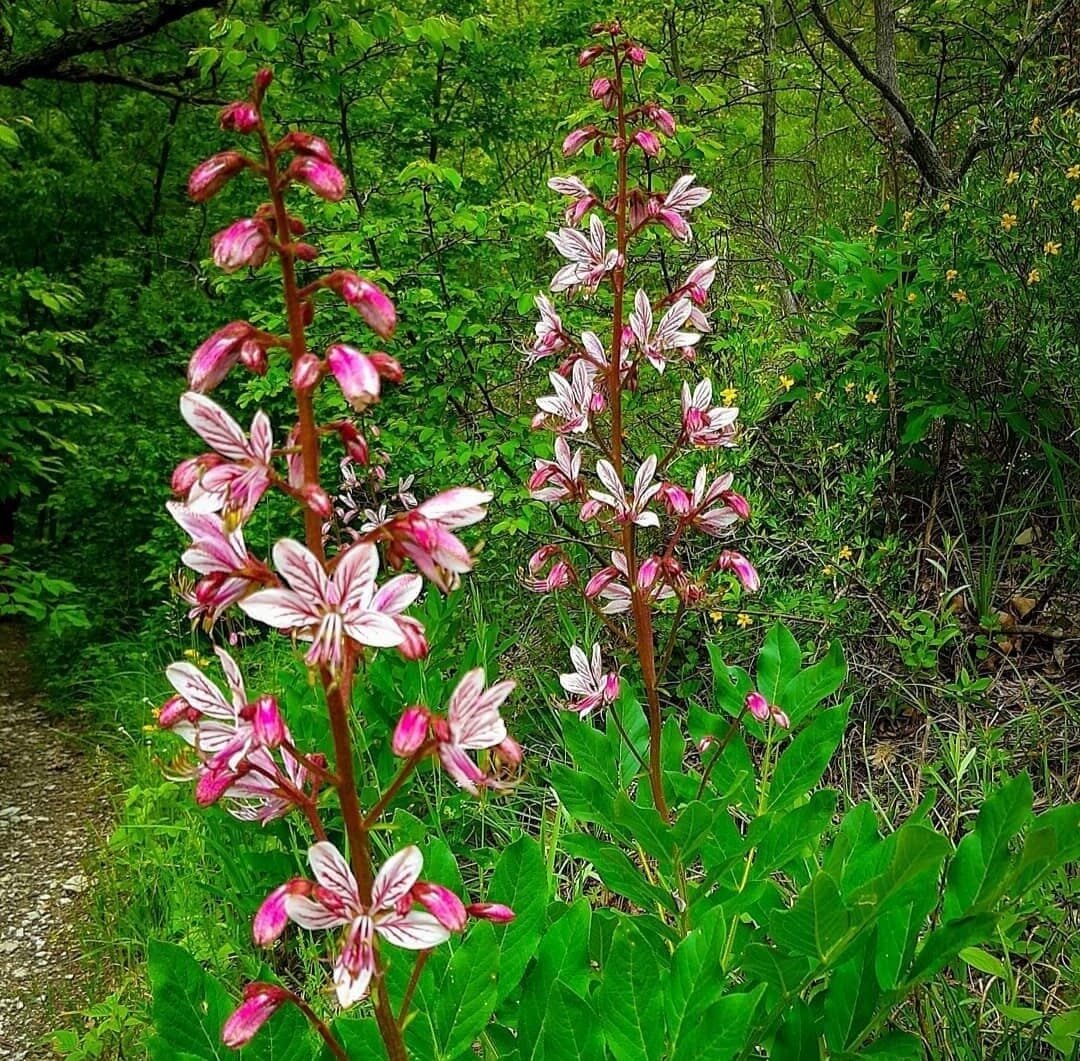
pixel 983 961
pixel 813 684
pixel 617 871
pixel 723 1031
pixel 570 1031
pixel 781 837
pixel 189 1007
pixel 778 662
pixel 817 921
pixel 945 943
pixel 852 999
pixel 521 882
pixel 977 876
pixel 694 982
pixel 806 758
pixel 896 1046
pixel 468 992
pixel 630 1006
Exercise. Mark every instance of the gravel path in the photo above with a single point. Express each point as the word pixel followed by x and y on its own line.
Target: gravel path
pixel 53 813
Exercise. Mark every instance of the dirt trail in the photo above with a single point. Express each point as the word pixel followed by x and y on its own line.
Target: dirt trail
pixel 53 812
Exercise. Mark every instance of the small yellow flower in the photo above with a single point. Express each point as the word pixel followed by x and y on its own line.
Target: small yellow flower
pixel 849 386
pixel 728 395
pixel 1076 204
pixel 871 397
pixel 818 395
pixel 761 288
pixel 1012 177
pixel 787 382
pixel 872 230
pixel 1034 277
pixel 1036 124
pixel 1070 111
pixel 828 570
pixel 908 215
pixel 912 297
pixel 190 653
pixel 946 206
pixel 717 617
pixel 1073 172
pixel 1050 247
pixel 950 275
pixel 1008 222
pixel 149 729
pixel 959 295
pixel 845 553
pixel 743 620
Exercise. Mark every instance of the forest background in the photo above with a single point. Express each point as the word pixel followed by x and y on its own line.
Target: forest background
pixel 897 315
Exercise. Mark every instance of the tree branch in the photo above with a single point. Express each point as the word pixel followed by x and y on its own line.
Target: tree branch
pixel 49 60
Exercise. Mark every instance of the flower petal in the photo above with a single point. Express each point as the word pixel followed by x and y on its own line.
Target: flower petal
pixel 397 875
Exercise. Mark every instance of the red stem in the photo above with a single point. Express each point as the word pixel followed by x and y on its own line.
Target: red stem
pixel 337 688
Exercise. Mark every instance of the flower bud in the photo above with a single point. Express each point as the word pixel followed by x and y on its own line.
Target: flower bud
pixel 209 177
pixel 271 918
pixel 263 79
pixel 323 178
pixel 267 722
pixel 239 117
pixel 243 243
pixel 600 87
pixel 305 252
pixel 211 362
pixel 415 645
pixel 636 54
pixel 737 503
pixel 356 375
pixel 172 711
pixel 661 118
pixel 388 367
pixel 494 912
pixel 590 55
pixel 253 357
pixel 729 560
pixel 306 372
pixel 410 732
pixel 648 141
pixel 442 904
pixel 576 140
pixel 758 706
pixel 371 303
pixel 316 499
pixel 261 1002
pixel 188 473
pixel 509 751
pixel 306 144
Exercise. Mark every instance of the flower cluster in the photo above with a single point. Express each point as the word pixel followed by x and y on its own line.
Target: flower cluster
pixel 638 505
pixel 322 591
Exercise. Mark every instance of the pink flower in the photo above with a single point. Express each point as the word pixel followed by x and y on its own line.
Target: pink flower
pixel 334 902
pixel 661 118
pixel 654 345
pixel 550 337
pixel 442 904
pixel 411 732
pixel 211 362
pixel 472 723
pixel 494 912
pixel 648 141
pixel 576 140
pixel 590 686
pixel 762 710
pixel 706 514
pixel 356 374
pixel 306 144
pixel 696 288
pixel 320 176
pixel 271 918
pixel 239 117
pixel 636 54
pixel 374 306
pixel 591 54
pixel 590 260
pixel 558 574
pixel 241 479
pixel 261 1002
pixel 704 424
pixel 424 536
pixel 683 197
pixel 243 243
pixel 327 609
pixel 209 177
pixel 563 473
pixel 612 584
pixel 573 402
pixel 632 508
pixel 729 560
pixel 603 90
pixel 581 199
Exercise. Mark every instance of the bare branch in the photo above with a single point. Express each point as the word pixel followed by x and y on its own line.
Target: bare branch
pixel 49 60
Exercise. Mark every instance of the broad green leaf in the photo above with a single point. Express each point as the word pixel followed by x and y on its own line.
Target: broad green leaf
pixel 694 982
pixel 521 882
pixel 628 1001
pixel 617 871
pixel 896 1046
pixel 806 758
pixel 569 1031
pixel 467 994
pixel 977 875
pixel 780 837
pixel 851 999
pixel 723 1031
pixel 778 662
pixel 189 1008
pixel 946 942
pixel 816 923
pixel 810 686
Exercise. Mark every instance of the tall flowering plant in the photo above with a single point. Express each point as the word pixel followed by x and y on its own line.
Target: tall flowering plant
pixel 640 476
pixel 335 604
